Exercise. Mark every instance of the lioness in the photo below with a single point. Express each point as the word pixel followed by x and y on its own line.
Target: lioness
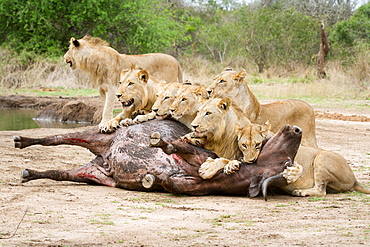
pixel 104 64
pixel 321 169
pixel 136 93
pixel 231 84
pixel 187 101
pixel 165 98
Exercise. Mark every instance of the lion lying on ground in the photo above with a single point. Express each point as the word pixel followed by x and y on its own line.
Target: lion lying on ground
pixel 137 94
pixel 104 64
pixel 216 123
pixel 231 84
pixel 321 170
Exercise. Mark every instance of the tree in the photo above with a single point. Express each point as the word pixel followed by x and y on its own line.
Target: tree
pixel 45 26
pixel 271 36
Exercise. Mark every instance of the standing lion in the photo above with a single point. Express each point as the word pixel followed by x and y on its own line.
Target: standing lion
pixel 104 64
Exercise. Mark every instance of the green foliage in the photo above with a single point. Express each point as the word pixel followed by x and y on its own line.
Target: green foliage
pixel 272 36
pixel 352 33
pixel 45 26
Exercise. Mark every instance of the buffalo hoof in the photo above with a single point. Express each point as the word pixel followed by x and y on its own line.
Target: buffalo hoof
pixel 155 140
pixel 148 181
pixel 25 176
pixel 17 142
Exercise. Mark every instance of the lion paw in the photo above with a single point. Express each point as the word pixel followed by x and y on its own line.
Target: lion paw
pixel 126 122
pixel 140 118
pixel 232 166
pixel 293 173
pixel 309 192
pixel 194 140
pixel 109 127
pixel 211 166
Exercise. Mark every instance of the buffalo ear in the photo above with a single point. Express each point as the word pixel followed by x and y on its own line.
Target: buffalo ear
pixel 224 103
pixel 255 186
pixel 143 76
pixel 74 42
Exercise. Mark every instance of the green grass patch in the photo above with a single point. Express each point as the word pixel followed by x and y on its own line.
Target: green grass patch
pixel 90 92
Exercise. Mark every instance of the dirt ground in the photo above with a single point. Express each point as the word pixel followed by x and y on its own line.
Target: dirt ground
pixel 50 213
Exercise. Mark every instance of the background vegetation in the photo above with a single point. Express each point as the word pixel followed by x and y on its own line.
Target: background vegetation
pixel 276 41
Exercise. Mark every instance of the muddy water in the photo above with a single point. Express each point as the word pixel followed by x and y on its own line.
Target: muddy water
pixel 22 118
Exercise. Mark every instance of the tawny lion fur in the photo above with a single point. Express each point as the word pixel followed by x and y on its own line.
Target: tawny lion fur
pixel 216 121
pixel 231 84
pixel 165 98
pixel 137 94
pixel 104 64
pixel 187 101
pixel 320 169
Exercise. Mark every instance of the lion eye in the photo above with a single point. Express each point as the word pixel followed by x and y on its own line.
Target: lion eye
pixel 244 146
pixel 167 97
pixel 258 146
pixel 130 83
pixel 183 99
pixel 221 81
pixel 119 82
pixel 208 113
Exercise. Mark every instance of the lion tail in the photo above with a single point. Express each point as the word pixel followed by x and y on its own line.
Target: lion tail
pixel 358 187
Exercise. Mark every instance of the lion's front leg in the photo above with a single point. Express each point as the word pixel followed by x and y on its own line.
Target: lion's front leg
pixel 293 173
pixel 232 166
pixel 144 118
pixel 109 99
pixel 111 125
pixel 191 138
pixel 211 166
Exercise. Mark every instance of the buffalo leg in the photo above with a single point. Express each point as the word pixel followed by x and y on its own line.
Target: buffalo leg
pixel 91 139
pixel 90 173
pixel 192 154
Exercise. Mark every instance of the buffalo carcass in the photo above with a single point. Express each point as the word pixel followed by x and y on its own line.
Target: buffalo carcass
pixel 125 159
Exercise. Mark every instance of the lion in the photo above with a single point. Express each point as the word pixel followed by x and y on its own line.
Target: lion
pixel 216 122
pixel 251 138
pixel 187 101
pixel 137 94
pixel 231 84
pixel 104 64
pixel 165 98
pixel 319 170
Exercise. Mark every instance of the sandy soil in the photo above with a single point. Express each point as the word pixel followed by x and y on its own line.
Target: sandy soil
pixel 49 213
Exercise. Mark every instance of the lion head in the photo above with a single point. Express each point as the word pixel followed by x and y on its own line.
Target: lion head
pixel 77 50
pixel 165 98
pixel 251 138
pixel 227 83
pixel 132 92
pixel 216 121
pixel 187 101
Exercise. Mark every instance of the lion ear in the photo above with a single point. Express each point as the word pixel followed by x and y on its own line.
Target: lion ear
pixel 240 76
pixel 239 130
pixel 143 76
pixel 74 42
pixel 266 126
pixel 202 92
pixel 224 103
pixel 227 69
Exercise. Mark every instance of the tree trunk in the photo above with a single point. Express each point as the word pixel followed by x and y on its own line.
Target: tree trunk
pixel 324 50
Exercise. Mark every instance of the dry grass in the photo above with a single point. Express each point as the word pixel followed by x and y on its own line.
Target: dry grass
pixel 295 82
